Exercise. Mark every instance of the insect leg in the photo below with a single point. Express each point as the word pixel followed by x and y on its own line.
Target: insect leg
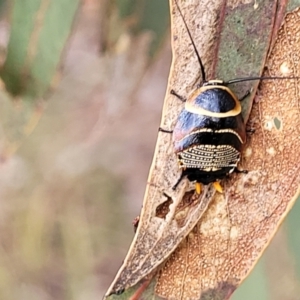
pixel 218 187
pixel 198 188
pixel 165 130
pixel 178 96
pixel 181 99
pixel 250 130
pixel 178 181
pixel 236 170
pixel 246 95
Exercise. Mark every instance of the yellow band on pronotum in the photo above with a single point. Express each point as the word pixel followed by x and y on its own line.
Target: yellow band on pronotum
pixel 190 103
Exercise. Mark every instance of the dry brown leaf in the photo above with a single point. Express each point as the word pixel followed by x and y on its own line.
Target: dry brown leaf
pixel 238 225
pixel 169 216
pixel 158 234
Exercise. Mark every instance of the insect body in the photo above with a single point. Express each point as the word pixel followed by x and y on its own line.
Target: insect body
pixel 209 134
pixel 210 131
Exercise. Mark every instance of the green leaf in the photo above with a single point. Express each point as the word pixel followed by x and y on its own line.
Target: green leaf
pixel 39 31
pixel 294 235
pixel 256 279
pixel 147 15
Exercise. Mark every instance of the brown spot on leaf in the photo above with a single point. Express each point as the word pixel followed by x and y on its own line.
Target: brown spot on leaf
pixel 163 209
pixel 189 199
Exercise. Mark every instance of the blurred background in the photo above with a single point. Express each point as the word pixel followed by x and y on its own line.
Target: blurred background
pixel 81 95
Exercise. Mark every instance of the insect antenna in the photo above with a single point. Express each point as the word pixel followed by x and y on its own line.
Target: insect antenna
pixel 236 80
pixel 194 46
